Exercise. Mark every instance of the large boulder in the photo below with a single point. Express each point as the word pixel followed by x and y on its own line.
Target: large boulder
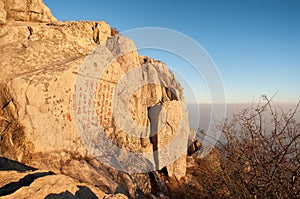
pixel 43 110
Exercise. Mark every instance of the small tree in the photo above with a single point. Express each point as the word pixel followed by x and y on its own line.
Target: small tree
pixel 261 157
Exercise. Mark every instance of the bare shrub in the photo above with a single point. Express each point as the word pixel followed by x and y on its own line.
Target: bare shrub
pixel 261 155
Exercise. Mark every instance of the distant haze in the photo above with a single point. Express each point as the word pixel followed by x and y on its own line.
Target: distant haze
pixel 202 117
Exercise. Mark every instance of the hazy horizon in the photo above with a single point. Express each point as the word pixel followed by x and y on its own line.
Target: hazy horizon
pixel 200 115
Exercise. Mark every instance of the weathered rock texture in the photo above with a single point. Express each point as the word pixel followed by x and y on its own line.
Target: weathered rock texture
pixel 40 62
pixel 19 181
pixel 142 102
pixel 2 13
pixel 205 177
pixel 25 10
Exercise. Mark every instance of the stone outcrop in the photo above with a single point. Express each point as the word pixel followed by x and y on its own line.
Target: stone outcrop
pixel 205 177
pixel 40 111
pixel 194 145
pixel 19 181
pixel 25 10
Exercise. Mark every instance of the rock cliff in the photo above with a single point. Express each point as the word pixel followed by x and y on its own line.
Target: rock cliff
pixel 44 113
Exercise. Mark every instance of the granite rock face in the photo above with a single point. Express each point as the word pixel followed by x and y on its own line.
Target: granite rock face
pixel 131 90
pixel 2 13
pixel 40 101
pixel 26 10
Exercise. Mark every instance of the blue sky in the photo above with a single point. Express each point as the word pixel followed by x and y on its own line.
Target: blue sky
pixel 254 44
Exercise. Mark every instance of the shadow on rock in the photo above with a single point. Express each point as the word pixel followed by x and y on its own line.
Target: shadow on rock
pixel 83 192
pixel 11 165
pixel 26 181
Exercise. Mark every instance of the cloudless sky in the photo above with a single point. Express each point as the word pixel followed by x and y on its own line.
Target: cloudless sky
pixel 255 44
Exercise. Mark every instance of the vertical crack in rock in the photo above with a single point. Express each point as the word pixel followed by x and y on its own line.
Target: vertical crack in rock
pixel 96 33
pixel 30 32
pixel 157 186
pixel 154 117
pixel 171 94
